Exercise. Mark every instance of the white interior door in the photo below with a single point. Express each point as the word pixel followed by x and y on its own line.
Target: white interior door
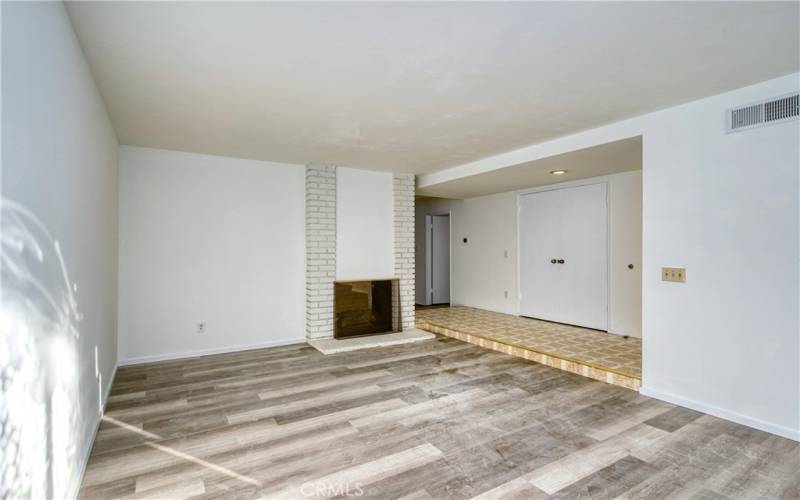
pixel 539 245
pixel 440 261
pixel 584 249
pixel 564 256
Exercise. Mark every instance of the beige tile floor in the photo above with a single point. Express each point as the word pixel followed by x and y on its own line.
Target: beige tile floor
pixel 590 347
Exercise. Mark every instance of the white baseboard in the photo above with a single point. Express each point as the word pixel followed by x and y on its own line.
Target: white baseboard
pixel 778 430
pixel 89 443
pixel 207 352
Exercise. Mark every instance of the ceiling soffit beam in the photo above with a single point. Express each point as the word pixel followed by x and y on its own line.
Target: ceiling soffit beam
pixel 594 137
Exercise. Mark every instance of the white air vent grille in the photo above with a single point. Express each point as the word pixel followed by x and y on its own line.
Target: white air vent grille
pixel 780 109
pixel 764 112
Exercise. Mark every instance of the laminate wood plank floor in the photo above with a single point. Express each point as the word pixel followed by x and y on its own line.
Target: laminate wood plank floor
pixel 428 420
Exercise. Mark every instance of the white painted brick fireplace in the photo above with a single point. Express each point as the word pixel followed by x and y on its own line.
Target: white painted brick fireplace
pixel 320 249
pixel 403 215
pixel 320 217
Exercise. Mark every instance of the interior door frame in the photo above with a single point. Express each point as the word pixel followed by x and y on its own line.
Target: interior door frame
pixel 554 187
pixel 430 267
pixel 429 253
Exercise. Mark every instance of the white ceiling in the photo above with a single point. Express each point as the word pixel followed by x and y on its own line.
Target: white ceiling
pixel 605 159
pixel 414 87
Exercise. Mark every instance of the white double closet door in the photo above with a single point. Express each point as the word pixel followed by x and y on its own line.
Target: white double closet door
pixel 563 235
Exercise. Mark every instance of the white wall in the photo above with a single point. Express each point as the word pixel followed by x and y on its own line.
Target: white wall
pixel 481 272
pixel 625 240
pixel 364 230
pixel 208 239
pixel 59 165
pixel 485 267
pixel 726 207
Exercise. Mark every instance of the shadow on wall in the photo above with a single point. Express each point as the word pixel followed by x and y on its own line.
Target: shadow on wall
pixel 40 416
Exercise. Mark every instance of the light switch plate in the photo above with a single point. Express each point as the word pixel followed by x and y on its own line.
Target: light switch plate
pixel 676 274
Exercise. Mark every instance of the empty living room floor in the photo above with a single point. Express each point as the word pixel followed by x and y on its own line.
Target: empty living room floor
pixel 434 419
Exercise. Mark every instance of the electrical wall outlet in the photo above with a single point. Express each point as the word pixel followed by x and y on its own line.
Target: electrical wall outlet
pixel 676 274
pixel 505 293
pixel 201 327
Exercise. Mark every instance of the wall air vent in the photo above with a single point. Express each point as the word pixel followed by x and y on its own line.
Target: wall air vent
pixel 765 112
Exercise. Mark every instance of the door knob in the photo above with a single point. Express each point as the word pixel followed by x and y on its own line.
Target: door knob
pixel 560 261
pixel 552 261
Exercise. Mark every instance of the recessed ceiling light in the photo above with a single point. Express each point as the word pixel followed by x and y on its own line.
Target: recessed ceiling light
pixel 558 172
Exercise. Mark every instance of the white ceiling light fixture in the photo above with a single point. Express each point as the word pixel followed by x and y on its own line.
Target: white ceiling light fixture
pixel 559 172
